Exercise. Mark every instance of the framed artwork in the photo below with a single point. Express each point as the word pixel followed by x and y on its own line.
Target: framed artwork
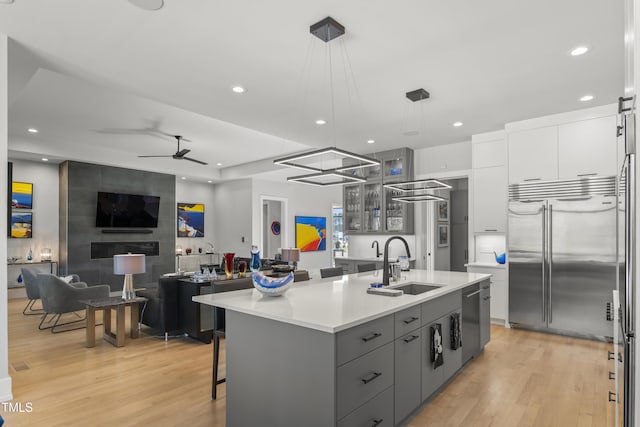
pixel 443 235
pixel 190 219
pixel 443 210
pixel 21 225
pixel 311 233
pixel 21 195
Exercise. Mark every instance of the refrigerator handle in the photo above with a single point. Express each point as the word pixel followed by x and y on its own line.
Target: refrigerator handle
pixel 550 261
pixel 544 260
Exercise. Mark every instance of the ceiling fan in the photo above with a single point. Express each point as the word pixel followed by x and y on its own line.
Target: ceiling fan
pixel 180 154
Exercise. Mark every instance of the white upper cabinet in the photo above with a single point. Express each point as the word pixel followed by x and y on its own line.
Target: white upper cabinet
pixel 490 200
pixel 488 154
pixel 587 148
pixel 533 155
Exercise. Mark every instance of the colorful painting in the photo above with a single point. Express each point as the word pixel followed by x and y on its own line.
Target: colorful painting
pixel 21 225
pixel 311 233
pixel 21 195
pixel 190 220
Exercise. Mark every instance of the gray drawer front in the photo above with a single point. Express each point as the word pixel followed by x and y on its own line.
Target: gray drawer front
pixel 436 308
pixel 378 411
pixel 407 320
pixel 363 378
pixel 361 339
pixel 407 384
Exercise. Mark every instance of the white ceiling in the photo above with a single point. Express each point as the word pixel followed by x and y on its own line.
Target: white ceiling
pixel 83 67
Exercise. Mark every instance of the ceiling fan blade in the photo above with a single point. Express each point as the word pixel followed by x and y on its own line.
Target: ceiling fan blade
pixel 194 160
pixel 155 156
pixel 182 152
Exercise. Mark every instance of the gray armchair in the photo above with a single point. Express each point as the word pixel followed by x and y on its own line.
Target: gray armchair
pixel 59 297
pixel 29 278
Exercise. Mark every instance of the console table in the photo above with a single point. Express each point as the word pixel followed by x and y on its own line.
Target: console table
pixel 13 270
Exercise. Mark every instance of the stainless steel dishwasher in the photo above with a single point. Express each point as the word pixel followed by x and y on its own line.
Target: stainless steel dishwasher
pixel 470 322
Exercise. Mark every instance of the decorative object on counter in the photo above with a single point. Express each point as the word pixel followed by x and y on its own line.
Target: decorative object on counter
pixel 272 287
pixel 228 264
pixel 188 251
pixel 190 219
pixel 13 259
pixel 443 210
pixel 21 225
pixel 437 358
pixel 275 228
pixel 255 259
pixel 46 254
pixel 178 250
pixel 29 255
pixel 291 255
pixel 443 235
pixel 403 260
pixel 394 271
pixel 311 233
pixel 199 250
pixel 128 265
pixel 21 195
pixel 500 259
pixel 242 268
pixel 209 249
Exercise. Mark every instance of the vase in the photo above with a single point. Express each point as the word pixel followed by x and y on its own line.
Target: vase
pixel 255 259
pixel 228 264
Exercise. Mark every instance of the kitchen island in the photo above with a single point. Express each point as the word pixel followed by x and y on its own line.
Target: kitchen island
pixel 326 353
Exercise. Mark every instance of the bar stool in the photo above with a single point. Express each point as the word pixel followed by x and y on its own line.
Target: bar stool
pixel 218 332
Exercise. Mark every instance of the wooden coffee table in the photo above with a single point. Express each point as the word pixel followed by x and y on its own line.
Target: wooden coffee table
pixel 106 305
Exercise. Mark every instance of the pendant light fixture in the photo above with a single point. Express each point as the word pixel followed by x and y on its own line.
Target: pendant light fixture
pixel 331 165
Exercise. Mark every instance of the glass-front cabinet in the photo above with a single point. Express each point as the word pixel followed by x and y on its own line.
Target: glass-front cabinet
pixel 369 207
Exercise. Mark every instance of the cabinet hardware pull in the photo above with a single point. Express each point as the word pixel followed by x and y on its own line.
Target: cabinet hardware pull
pixel 610 356
pixel 412 338
pixel 612 375
pixel 532 179
pixel 371 337
pixel 377 422
pixel 615 399
pixel 491 229
pixel 487 298
pixel 621 101
pixel 486 287
pixel 371 378
pixel 410 320
pixel 587 174
pixel 472 293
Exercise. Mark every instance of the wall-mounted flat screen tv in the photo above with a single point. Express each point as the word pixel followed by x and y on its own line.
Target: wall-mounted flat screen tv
pixel 127 210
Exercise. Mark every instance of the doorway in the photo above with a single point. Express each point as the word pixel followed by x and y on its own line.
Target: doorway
pixel 273 225
pixel 450 219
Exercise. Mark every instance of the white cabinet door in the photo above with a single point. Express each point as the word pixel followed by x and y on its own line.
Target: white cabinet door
pixel 587 148
pixel 533 155
pixel 499 294
pixel 490 199
pixel 489 153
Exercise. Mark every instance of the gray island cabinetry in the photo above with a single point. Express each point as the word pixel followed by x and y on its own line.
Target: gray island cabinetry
pixel 329 354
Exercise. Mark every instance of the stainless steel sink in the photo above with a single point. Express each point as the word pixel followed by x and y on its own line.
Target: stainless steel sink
pixel 415 288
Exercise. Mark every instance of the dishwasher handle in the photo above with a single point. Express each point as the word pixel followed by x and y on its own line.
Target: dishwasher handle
pixel 472 294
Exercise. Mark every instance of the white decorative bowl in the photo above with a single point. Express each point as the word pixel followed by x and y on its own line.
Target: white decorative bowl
pixel 272 287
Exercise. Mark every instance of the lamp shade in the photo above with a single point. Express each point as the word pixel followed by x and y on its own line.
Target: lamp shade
pixel 129 264
pixel 291 255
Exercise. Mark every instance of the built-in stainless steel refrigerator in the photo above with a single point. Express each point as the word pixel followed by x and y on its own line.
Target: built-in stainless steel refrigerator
pixel 562 255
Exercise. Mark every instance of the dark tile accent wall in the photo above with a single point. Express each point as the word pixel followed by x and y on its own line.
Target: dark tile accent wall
pixel 79 186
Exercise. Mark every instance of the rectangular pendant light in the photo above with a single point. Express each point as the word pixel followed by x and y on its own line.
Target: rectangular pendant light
pixel 418 186
pixel 417 198
pixel 327 159
pixel 326 179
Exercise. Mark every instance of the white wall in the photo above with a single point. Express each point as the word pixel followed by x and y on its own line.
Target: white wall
pixel 44 177
pixel 233 217
pixel 5 379
pixel 360 245
pixel 196 192
pixel 301 200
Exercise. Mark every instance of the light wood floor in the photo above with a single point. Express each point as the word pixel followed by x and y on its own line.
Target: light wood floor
pixel 522 379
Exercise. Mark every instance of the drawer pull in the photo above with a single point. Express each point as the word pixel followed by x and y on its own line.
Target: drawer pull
pixel 486 287
pixel 372 337
pixel 612 375
pixel 610 356
pixel 487 298
pixel 410 320
pixel 491 229
pixel 472 293
pixel 371 378
pixel 377 422
pixel 532 179
pixel 411 338
pixel 614 399
pixel 587 174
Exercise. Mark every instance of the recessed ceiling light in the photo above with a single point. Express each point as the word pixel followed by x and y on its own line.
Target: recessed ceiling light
pixel 370 141
pixel 580 50
pixel 218 164
pixel 586 98
pixel 148 4
pixel 44 159
pixel 209 181
pixel 32 130
pixel 238 89
pixel 184 177
pixel 457 124
pixel 321 122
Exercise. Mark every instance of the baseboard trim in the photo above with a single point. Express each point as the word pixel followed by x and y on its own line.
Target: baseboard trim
pixel 5 389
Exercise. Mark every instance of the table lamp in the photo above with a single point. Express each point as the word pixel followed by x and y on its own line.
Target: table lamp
pixel 291 255
pixel 128 265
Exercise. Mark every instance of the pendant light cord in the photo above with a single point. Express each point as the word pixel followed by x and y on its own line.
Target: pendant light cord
pixel 333 107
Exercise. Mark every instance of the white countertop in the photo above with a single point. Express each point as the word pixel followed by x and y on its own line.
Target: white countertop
pixel 371 259
pixel 332 305
pixel 486 265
